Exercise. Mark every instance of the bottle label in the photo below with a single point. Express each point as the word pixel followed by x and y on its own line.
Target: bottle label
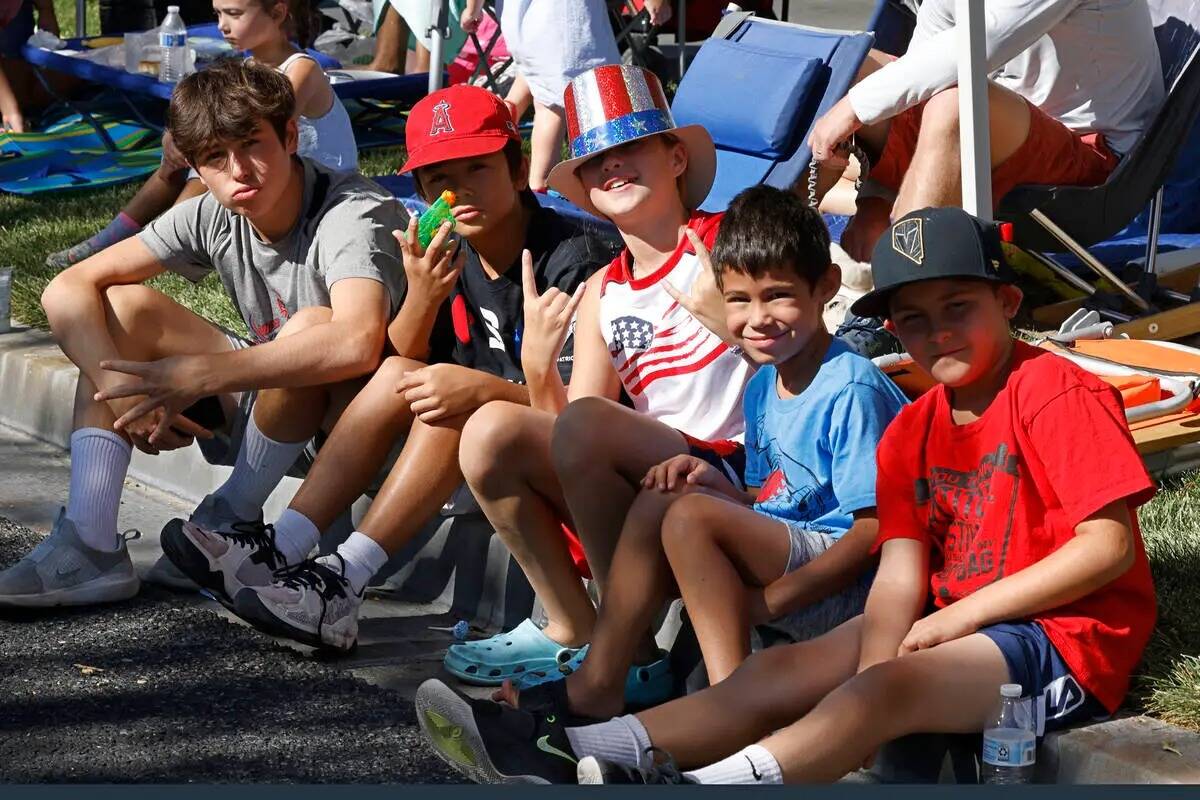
pixel 172 39
pixel 1009 752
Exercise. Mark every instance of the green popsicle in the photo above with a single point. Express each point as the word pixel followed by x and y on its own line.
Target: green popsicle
pixel 434 216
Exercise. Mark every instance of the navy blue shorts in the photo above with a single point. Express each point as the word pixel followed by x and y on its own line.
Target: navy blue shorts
pixel 1058 699
pixel 727 456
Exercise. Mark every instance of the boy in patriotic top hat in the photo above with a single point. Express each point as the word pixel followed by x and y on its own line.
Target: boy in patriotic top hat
pixel 651 325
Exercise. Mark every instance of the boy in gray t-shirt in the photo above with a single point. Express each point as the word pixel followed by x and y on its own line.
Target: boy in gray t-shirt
pixel 308 258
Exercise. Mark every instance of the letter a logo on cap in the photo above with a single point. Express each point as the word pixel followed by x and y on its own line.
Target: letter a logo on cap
pixel 909 241
pixel 441 119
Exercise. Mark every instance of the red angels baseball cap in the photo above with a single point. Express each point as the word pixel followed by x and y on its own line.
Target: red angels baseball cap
pixel 458 122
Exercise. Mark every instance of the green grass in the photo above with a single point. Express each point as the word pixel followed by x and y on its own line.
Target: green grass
pixel 1169 684
pixel 31 227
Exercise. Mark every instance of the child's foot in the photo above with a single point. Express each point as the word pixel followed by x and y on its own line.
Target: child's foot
pixel 594 770
pixel 312 603
pixel 122 227
pixel 63 571
pixel 493 743
pixel 214 514
pixel 224 562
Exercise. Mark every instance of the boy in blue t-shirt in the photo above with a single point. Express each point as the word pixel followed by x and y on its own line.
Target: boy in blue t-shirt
pixel 797 558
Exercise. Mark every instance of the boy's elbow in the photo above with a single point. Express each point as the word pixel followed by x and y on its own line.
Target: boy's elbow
pixel 367 351
pixel 1124 553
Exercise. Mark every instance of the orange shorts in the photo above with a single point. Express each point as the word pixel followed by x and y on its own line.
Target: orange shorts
pixel 1052 155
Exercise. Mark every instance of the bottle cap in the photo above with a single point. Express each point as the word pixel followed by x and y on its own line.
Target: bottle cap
pixel 172 9
pixel 1012 690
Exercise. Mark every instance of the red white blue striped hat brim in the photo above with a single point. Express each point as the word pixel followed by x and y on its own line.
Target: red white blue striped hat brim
pixel 615 104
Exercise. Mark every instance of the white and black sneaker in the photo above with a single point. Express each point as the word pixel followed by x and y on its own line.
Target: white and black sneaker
pixel 223 561
pixel 63 571
pixel 593 770
pixel 311 602
pixel 213 514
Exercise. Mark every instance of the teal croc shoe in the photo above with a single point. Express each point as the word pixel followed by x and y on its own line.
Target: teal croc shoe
pixel 507 656
pixel 645 686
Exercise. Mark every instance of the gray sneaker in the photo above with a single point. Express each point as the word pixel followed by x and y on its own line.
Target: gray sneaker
pixel 214 514
pixel 311 603
pixel 223 561
pixel 63 571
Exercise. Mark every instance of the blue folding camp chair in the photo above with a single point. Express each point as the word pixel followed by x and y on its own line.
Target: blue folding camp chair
pixel 776 79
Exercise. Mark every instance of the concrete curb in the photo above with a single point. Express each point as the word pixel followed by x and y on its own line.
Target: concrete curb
pixel 37 392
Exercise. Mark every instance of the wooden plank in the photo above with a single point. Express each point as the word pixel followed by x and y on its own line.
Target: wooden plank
pixel 1167 325
pixel 1167 436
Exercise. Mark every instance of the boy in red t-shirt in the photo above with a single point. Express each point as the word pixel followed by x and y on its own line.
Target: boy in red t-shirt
pixel 1010 554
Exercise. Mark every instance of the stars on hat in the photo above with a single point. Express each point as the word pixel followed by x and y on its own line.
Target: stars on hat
pixel 638 125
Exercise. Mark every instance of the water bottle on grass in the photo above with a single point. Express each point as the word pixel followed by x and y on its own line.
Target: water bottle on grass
pixel 172 41
pixel 1009 743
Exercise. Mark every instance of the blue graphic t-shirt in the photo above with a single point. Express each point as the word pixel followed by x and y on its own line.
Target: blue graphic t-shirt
pixel 813 455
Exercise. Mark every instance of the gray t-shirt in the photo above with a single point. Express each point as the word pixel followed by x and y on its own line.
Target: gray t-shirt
pixel 344 231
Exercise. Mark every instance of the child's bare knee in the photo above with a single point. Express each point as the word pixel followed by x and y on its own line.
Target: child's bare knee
pixel 489 442
pixel 582 434
pixel 688 518
pixel 394 368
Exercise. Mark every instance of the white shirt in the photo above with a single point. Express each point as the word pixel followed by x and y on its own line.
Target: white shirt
pixel 1091 64
pixel 672 367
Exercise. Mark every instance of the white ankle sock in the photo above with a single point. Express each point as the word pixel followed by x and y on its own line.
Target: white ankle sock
pixel 753 765
pixel 364 557
pixel 295 535
pixel 99 461
pixel 621 739
pixel 261 464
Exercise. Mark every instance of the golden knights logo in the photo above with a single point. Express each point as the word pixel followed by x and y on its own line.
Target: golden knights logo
pixel 908 240
pixel 441 119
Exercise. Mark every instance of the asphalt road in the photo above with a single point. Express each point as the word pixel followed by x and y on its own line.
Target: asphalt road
pixel 160 689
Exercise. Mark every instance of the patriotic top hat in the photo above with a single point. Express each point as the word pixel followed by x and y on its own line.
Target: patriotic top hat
pixel 614 104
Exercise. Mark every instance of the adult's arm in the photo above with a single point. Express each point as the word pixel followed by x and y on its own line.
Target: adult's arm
pixel 931 63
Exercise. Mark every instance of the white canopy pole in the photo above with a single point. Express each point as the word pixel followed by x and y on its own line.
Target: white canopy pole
pixel 975 146
pixel 438 22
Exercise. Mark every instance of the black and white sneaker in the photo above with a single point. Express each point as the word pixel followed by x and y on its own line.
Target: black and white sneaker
pixel 492 742
pixel 594 770
pixel 213 514
pixel 223 561
pixel 311 602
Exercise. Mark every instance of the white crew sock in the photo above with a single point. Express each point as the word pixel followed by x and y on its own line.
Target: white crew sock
pixel 753 765
pixel 261 464
pixel 99 461
pixel 621 739
pixel 364 557
pixel 295 536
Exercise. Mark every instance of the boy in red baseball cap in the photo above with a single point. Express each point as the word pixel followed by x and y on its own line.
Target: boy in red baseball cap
pixel 457 341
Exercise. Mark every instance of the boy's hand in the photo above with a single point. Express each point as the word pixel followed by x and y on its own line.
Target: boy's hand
pixel 548 319
pixel 431 272
pixel 169 385
pixel 683 471
pixel 944 625
pixel 703 300
pixel 439 391
pixel 172 160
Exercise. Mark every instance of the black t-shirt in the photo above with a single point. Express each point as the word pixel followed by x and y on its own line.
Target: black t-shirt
pixel 480 325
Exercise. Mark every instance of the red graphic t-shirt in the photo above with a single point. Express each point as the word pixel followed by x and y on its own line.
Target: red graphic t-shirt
pixel 993 496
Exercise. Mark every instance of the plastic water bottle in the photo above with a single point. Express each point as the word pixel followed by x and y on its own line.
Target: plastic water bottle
pixel 1009 743
pixel 172 41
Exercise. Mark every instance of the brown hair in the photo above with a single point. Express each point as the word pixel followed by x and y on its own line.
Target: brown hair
pixel 513 156
pixel 225 103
